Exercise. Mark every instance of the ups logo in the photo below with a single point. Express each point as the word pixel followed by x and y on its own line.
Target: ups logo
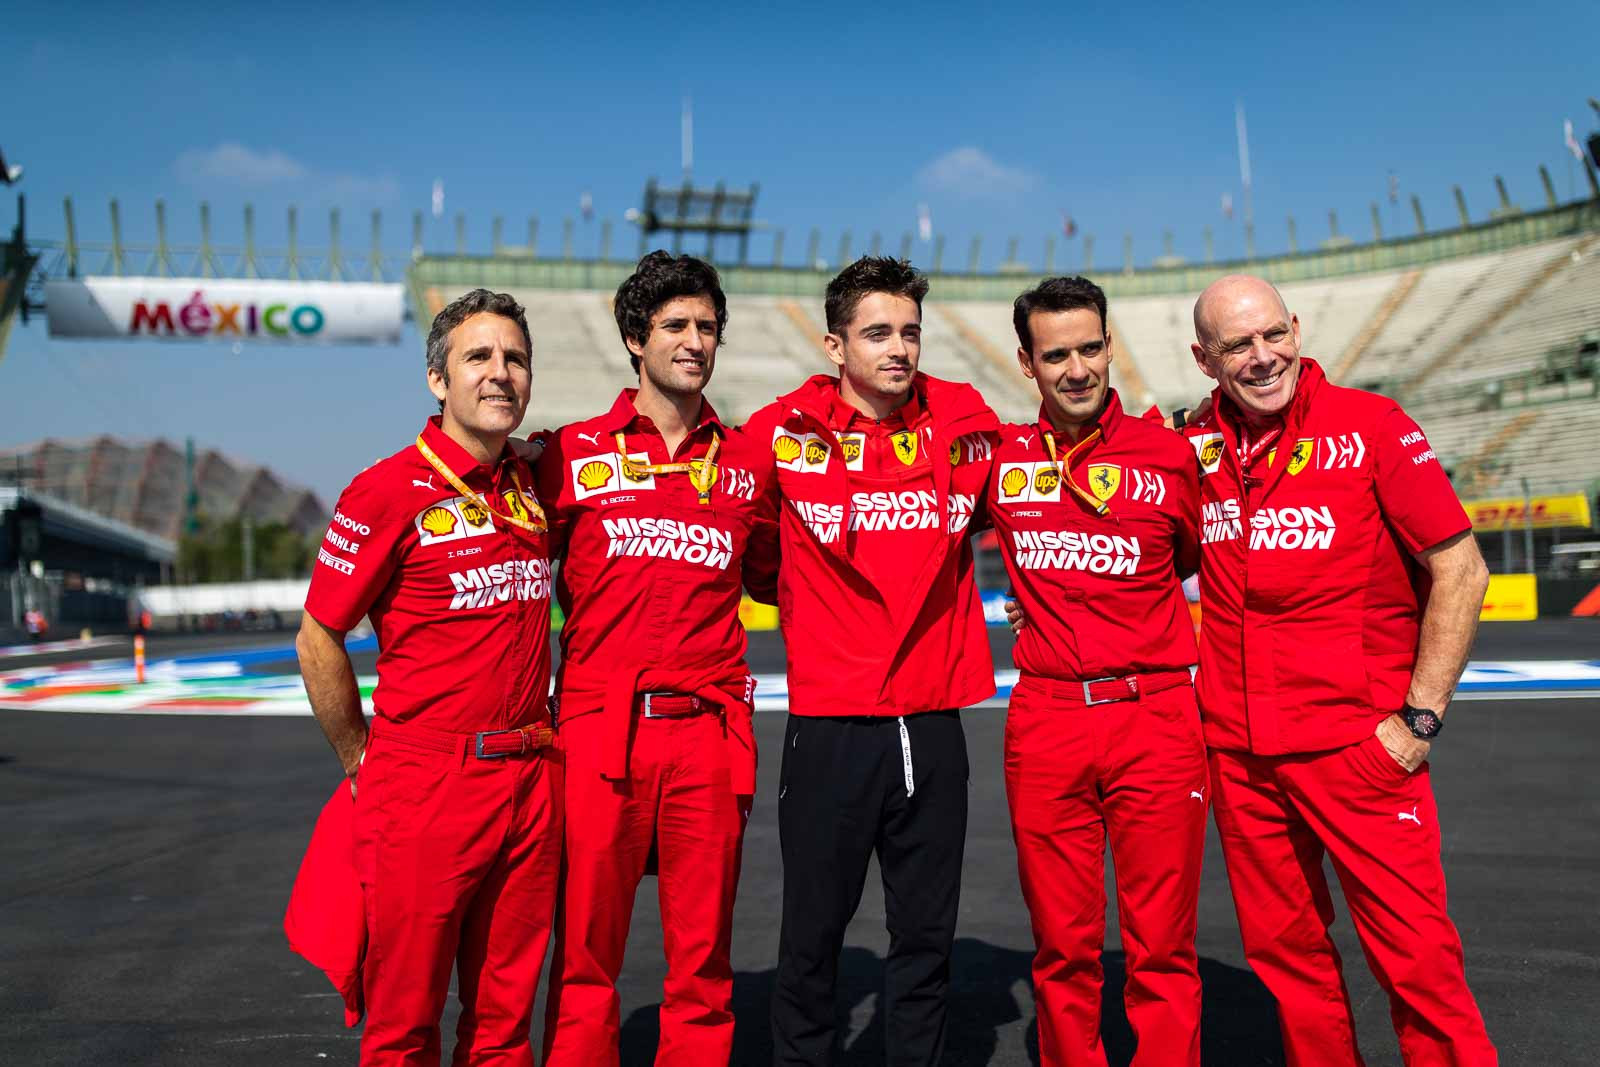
pixel 1045 480
pixel 851 447
pixel 1211 452
pixel 816 452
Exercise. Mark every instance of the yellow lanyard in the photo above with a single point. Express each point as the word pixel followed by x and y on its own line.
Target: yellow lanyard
pixel 1065 463
pixel 703 476
pixel 521 501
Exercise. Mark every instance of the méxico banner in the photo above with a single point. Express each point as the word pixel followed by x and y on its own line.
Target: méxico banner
pixel 228 310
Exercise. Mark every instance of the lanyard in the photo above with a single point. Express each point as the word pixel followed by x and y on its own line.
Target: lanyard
pixel 702 472
pixel 1248 452
pixel 520 502
pixel 1065 463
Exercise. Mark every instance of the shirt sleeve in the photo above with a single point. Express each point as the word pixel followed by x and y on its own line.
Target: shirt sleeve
pixel 1414 493
pixel 357 557
pixel 762 554
pixel 549 481
pixel 1186 528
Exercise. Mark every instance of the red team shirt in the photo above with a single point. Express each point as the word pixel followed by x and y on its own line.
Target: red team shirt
pixel 650 578
pixel 1312 599
pixel 876 596
pixel 1101 593
pixel 459 599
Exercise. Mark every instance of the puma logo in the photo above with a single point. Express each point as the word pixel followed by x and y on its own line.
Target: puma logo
pixel 1025 440
pixel 592 438
pixel 1412 816
pixel 425 485
pixel 1194 794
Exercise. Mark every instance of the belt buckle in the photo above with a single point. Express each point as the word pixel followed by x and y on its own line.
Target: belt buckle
pixel 481 754
pixel 1088 702
pixel 650 713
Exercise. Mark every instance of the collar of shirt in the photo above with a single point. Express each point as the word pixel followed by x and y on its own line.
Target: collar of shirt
pixel 842 414
pixel 1111 417
pixel 624 416
pixel 461 462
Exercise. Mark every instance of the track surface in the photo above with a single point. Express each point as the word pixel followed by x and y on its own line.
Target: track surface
pixel 146 862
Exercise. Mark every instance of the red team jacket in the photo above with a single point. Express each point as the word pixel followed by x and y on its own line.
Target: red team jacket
pixel 1312 600
pixel 650 577
pixel 876 596
pixel 1101 593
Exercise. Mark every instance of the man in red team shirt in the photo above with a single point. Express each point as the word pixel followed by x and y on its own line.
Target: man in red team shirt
pixel 655 506
pixel 1340 588
pixel 1096 512
pixel 878 472
pixel 458 816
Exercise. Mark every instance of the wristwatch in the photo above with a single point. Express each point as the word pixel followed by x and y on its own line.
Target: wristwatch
pixel 1180 418
pixel 1423 723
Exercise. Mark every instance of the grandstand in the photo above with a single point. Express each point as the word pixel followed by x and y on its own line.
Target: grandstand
pixel 1488 333
pixel 145 485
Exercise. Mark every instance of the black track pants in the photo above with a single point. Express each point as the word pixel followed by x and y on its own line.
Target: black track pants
pixel 843 795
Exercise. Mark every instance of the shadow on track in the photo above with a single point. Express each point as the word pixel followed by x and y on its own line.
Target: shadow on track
pixel 989 991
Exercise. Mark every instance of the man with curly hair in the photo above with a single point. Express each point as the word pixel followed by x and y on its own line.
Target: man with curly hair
pixel 654 506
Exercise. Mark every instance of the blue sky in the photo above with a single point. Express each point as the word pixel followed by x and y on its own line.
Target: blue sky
pixel 849 118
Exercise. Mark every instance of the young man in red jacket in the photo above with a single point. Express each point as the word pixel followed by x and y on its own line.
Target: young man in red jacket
pixel 1096 511
pixel 655 507
pixel 458 815
pixel 1340 588
pixel 878 472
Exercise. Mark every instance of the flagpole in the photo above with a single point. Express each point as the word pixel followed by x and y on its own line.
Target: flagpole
pixel 1244 177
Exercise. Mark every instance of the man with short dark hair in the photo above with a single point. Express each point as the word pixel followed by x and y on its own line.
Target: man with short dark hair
pixel 1096 514
pixel 878 472
pixel 459 813
pixel 1340 591
pixel 655 507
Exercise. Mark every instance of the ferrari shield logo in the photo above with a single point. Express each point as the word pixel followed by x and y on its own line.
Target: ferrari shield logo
pixel 1104 478
pixel 905 446
pixel 1301 455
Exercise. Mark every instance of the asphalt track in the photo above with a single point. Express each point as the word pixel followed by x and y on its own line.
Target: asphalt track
pixel 146 861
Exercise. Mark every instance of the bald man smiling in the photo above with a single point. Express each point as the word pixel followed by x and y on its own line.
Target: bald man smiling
pixel 1340 588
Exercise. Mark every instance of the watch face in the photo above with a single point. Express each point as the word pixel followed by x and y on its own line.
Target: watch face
pixel 1424 724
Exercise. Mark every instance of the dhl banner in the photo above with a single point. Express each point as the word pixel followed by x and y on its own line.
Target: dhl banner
pixel 1511 598
pixel 1545 512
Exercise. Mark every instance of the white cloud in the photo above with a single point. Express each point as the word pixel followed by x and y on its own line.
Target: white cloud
pixel 236 164
pixel 972 172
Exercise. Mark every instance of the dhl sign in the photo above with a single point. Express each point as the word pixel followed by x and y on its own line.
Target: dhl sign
pixel 1540 512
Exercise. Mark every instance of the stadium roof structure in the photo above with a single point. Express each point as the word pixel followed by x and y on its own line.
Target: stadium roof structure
pixel 432 273
pixel 144 484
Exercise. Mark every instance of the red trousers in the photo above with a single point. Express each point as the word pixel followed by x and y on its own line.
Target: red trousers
pixel 1133 772
pixel 1277 817
pixel 678 799
pixel 458 860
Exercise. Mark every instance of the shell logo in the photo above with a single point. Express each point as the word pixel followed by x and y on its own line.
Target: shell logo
pixel 1045 480
pixel 595 474
pixel 1014 481
pixel 474 515
pixel 438 522
pixel 816 452
pixel 786 448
